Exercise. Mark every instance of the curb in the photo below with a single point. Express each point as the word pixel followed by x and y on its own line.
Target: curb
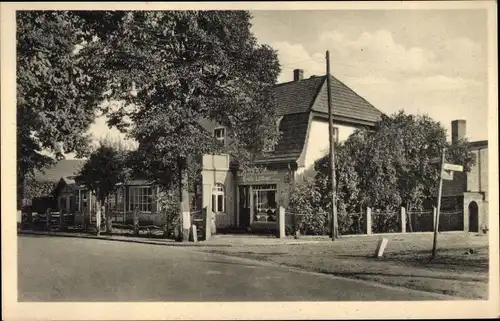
pixel 165 243
pixel 110 238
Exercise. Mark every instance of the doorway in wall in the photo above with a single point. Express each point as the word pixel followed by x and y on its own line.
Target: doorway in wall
pixel 473 217
pixel 244 205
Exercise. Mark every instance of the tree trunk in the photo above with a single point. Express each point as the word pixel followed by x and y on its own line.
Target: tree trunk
pixel 165 227
pixel 136 222
pixel 98 217
pixel 185 217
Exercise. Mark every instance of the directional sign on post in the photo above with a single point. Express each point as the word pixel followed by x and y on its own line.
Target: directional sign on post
pixel 452 167
pixel 447 175
pixel 435 160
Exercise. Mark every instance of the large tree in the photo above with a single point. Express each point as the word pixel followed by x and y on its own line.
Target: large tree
pixel 173 69
pixel 390 166
pixel 58 88
pixel 103 173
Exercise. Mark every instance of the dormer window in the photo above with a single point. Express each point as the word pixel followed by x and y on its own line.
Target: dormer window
pixel 220 135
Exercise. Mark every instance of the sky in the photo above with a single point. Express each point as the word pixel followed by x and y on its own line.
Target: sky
pixel 430 62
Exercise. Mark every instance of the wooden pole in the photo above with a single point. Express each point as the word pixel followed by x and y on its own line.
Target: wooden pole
pixel 436 226
pixel 333 214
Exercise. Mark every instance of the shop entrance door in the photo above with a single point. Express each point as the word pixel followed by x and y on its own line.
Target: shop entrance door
pixel 244 205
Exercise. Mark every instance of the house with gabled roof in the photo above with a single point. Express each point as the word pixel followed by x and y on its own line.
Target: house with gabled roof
pixel 251 200
pixel 46 184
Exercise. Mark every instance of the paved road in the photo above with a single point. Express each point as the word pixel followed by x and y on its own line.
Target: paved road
pixel 71 269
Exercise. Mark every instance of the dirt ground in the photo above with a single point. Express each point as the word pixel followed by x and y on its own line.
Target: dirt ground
pixel 459 269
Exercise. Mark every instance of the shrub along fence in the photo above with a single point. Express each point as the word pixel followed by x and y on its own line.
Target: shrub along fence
pixel 420 221
pixel 373 222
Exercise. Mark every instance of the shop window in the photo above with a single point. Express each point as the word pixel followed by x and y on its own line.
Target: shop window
pixel 220 135
pixel 218 198
pixel 140 197
pixel 264 202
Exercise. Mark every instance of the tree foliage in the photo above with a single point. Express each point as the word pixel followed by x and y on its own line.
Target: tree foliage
pixel 105 170
pixel 57 91
pixel 391 166
pixel 104 173
pixel 188 66
pixel 55 100
pixel 383 168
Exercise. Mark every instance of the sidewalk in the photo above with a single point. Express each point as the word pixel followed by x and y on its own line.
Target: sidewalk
pixel 215 241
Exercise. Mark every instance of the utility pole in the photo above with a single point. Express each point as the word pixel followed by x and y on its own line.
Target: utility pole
pixel 333 215
pixel 440 188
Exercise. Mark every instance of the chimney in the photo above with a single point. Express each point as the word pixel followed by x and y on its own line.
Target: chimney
pixel 457 130
pixel 298 74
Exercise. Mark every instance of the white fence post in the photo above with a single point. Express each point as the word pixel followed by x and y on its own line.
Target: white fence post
pixel 368 221
pixel 194 233
pixel 403 220
pixel 434 216
pixel 382 244
pixel 281 223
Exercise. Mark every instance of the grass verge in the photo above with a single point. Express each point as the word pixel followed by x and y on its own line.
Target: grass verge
pixel 460 268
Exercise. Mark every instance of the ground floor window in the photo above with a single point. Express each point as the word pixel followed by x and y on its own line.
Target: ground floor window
pixel 117 201
pixel 82 200
pixel 264 202
pixel 218 198
pixel 141 197
pixel 77 200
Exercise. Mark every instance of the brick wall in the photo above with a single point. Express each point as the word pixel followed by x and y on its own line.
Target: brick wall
pixel 474 181
pixel 477 180
pixel 455 187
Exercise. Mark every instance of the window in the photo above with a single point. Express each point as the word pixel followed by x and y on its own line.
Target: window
pixel 220 135
pixel 264 202
pixel 77 200
pixel 140 197
pixel 218 198
pixel 83 203
pixel 116 201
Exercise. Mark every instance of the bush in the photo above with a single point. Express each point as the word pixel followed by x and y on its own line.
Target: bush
pixel 350 223
pixel 170 209
pixel 304 207
pixel 385 222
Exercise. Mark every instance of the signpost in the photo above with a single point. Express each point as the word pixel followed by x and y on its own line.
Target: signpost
pixel 435 160
pixel 446 173
pixel 452 167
